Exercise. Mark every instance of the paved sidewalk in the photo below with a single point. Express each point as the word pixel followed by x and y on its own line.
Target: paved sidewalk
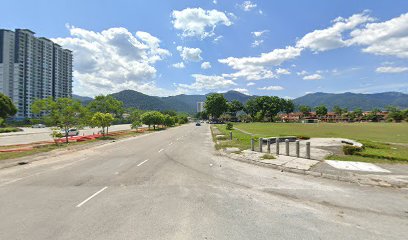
pixel 373 175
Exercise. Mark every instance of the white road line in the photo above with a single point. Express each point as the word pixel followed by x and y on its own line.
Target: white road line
pixel 142 162
pixel 93 195
pixel 161 150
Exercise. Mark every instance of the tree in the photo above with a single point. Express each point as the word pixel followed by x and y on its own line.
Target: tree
pixel 235 106
pixel 182 119
pixel 337 110
pixel 103 120
pixel 136 124
pixel 152 118
pixel 288 106
pixel 395 114
pixel 7 108
pixel 321 110
pixel 251 108
pixel 168 120
pixel 358 113
pixel 106 104
pixel 63 112
pixel 305 109
pixel 216 104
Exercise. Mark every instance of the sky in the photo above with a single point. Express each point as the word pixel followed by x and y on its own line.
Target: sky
pixel 283 48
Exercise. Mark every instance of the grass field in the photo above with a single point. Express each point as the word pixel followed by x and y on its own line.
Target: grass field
pixel 384 142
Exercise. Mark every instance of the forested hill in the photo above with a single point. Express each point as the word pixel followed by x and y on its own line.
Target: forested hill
pixel 188 103
pixel 355 100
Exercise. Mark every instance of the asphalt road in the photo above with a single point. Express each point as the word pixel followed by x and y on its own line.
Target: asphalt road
pixel 171 185
pixel 30 135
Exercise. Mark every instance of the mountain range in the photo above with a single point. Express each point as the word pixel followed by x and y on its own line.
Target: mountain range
pixel 188 103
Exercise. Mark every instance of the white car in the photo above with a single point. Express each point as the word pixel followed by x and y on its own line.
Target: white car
pixel 40 125
pixel 70 132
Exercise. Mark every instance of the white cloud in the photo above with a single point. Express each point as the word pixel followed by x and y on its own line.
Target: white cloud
pixel 205 82
pixel 218 39
pixel 282 71
pixel 259 33
pixel 384 38
pixel 313 77
pixel 215 1
pixel 250 84
pixel 391 69
pixel 242 90
pixel 272 88
pixel 302 73
pixel 113 60
pixel 247 6
pixel 255 68
pixel 205 65
pixel 190 54
pixel 179 65
pixel 197 22
pixel 331 37
pixel 257 43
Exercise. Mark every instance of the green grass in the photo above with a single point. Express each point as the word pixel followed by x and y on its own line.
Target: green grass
pixel 380 132
pixel 268 156
pixel 384 142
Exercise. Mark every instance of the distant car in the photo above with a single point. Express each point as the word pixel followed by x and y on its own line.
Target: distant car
pixel 40 125
pixel 70 132
pixel 198 124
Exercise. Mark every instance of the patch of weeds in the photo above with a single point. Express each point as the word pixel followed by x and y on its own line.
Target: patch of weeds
pixel 268 156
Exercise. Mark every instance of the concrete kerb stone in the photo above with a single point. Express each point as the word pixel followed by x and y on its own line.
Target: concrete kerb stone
pixel 356 179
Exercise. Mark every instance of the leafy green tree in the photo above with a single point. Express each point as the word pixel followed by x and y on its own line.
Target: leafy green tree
pixel 358 112
pixel 305 109
pixel 182 119
pixel 251 108
pixel 321 110
pixel 337 110
pixel 107 104
pixel 152 118
pixel 168 120
pixel 171 113
pixel 288 106
pixel 235 106
pixel 216 104
pixel 7 108
pixel 395 114
pixel 103 120
pixel 63 112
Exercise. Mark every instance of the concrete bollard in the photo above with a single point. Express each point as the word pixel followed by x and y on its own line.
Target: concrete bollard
pixel 277 146
pixel 287 146
pixel 252 145
pixel 308 150
pixel 268 142
pixel 230 135
pixel 260 144
pixel 297 148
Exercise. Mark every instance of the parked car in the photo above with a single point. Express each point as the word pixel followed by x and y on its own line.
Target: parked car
pixel 198 124
pixel 40 125
pixel 70 132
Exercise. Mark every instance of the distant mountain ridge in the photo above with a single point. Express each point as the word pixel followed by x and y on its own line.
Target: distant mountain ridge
pixel 355 100
pixel 188 103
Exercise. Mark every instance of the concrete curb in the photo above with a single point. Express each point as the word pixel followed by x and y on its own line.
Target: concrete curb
pixel 356 178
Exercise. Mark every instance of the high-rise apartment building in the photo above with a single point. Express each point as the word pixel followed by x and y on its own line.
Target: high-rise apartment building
pixel 33 68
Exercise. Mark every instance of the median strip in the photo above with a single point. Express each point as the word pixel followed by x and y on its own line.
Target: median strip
pixel 93 195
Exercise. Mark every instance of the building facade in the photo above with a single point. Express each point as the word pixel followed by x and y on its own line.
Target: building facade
pixel 33 68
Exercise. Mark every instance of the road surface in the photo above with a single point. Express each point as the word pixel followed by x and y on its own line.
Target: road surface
pixel 30 135
pixel 171 185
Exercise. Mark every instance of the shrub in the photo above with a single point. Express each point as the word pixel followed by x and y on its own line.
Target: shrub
pixel 351 150
pixel 229 126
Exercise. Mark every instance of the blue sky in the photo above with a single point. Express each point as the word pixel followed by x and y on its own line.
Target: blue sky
pixel 283 48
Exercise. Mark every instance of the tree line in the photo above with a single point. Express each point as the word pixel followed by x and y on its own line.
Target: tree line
pixel 267 108
pixel 102 112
